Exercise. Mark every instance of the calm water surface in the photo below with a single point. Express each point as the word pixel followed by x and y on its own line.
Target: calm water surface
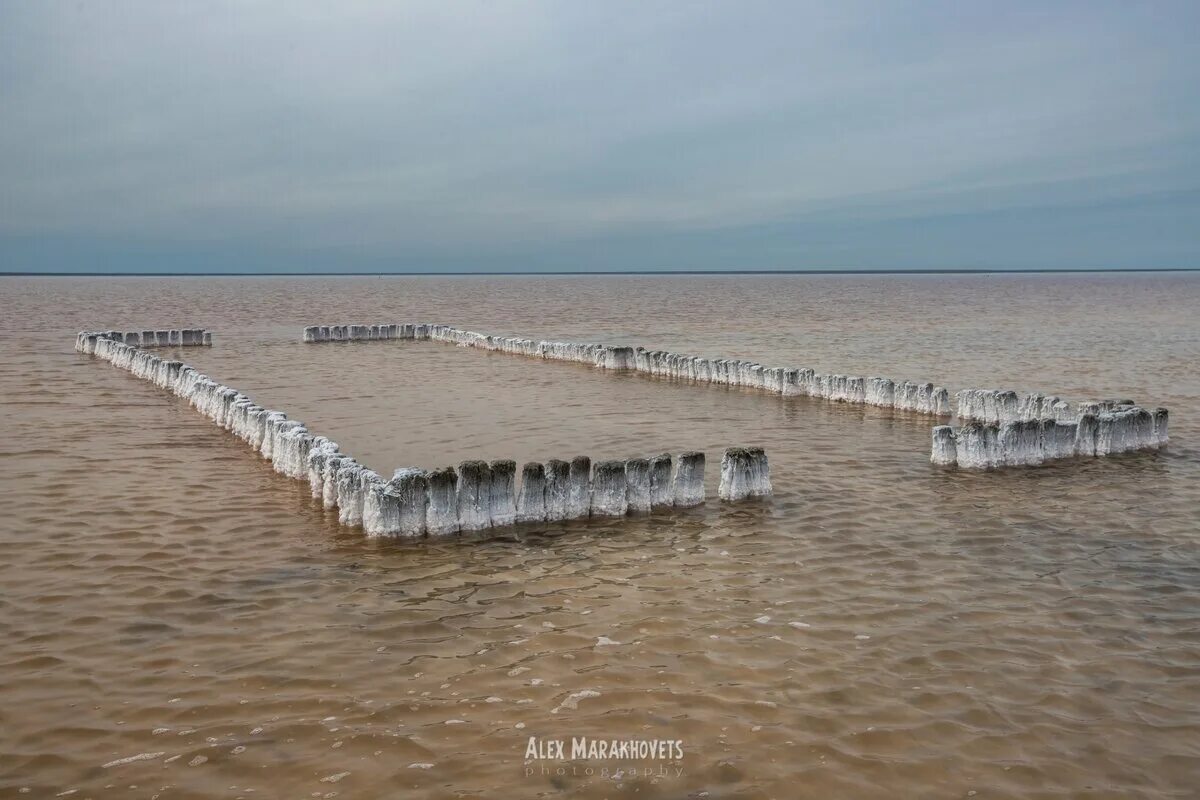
pixel 880 629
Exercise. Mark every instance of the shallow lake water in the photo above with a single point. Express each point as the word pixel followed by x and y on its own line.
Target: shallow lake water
pixel 880 628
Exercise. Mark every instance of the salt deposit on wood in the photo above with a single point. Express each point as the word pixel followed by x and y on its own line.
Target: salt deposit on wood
pixel 608 489
pixel 410 488
pixel 531 500
pixel 637 485
pixel 441 514
pixel 350 481
pixel 744 474
pixel 321 450
pixel 412 498
pixel 1117 428
pixel 661 488
pixel 688 481
pixel 474 495
pixel 381 510
pixel 945 448
pixel 558 489
pixel 502 503
pixel 579 490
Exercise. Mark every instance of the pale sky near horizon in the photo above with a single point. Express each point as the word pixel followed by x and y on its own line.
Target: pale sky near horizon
pixel 470 136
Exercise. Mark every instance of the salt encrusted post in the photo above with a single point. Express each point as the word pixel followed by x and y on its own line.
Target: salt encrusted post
pixel 329 483
pixel 442 513
pixel 1161 435
pixel 618 358
pixel 1020 443
pixel 474 495
pixel 367 478
pixel 558 489
pixel 880 392
pixel 978 446
pixel 940 402
pixel 991 406
pixel 905 396
pixel 502 501
pixel 1058 438
pixel 321 450
pixel 760 472
pixel 744 473
pixel 411 487
pixel 1118 430
pixel 688 482
pixel 608 489
pixel 270 422
pixel 637 485
pixel 349 493
pixel 280 445
pixel 256 417
pixel 735 472
pixel 531 502
pixel 945 451
pixel 579 492
pixel 381 509
pixel 299 444
pixel 856 391
pixel 1006 406
pixel 660 482
pixel 1085 435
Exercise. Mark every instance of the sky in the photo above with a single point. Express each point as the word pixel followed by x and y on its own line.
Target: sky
pixel 463 136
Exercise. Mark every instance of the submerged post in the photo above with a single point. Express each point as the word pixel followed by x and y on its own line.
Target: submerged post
pixel 608 489
pixel 502 503
pixel 660 482
pixel 558 489
pixel 945 450
pixel 474 492
pixel 637 485
pixel 411 486
pixel 744 474
pixel 381 509
pixel 531 502
pixel 442 513
pixel 688 483
pixel 579 492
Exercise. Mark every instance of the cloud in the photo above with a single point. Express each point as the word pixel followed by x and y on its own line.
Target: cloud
pixel 600 136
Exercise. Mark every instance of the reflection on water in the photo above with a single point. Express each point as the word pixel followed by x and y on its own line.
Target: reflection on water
pixel 881 628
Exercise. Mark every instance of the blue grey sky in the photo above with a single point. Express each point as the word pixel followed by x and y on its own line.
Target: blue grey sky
pixel 503 136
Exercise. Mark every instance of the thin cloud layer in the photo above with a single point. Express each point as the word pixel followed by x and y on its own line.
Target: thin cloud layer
pixel 299 136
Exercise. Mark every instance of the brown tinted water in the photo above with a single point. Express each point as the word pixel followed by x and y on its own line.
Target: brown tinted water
pixel 880 629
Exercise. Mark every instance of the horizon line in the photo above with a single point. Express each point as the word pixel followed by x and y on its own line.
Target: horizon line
pixel 60 274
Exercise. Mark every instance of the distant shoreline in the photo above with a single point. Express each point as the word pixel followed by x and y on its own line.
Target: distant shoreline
pixel 1125 270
